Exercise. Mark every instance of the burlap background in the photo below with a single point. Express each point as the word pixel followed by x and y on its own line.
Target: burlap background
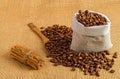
pixel 16 14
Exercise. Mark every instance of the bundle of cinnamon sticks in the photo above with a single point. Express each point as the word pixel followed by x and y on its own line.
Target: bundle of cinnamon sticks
pixel 26 56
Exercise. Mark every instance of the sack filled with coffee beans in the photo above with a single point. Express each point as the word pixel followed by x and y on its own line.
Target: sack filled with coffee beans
pixel 91 32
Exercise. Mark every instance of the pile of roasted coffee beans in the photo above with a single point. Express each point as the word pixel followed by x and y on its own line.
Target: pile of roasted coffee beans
pixel 61 54
pixel 88 18
pixel 60 39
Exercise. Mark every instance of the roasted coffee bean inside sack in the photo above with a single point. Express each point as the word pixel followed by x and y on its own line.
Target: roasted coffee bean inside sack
pixel 61 54
pixel 88 18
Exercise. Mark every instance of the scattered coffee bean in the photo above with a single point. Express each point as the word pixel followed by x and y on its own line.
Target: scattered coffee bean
pixel 41 27
pixel 112 71
pixel 48 56
pixel 88 18
pixel 115 55
pixel 85 72
pixel 97 74
pixel 59 50
pixel 107 52
pixel 56 64
pixel 73 69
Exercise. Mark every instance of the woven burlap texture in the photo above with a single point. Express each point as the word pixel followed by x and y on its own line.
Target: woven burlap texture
pixel 16 14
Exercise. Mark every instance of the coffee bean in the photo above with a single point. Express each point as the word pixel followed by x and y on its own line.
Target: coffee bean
pixel 41 28
pixel 56 64
pixel 108 68
pixel 73 69
pixel 86 11
pixel 80 11
pixel 97 74
pixel 107 52
pixel 115 55
pixel 48 56
pixel 112 71
pixel 93 73
pixel 52 60
pixel 85 72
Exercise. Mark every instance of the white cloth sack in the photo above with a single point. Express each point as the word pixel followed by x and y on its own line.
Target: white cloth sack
pixel 91 39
